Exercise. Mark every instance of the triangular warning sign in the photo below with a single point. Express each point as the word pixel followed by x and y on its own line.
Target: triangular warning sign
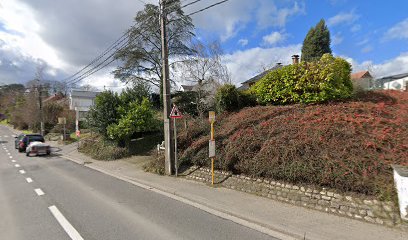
pixel 175 113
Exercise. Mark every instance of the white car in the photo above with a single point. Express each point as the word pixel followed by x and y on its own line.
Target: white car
pixel 38 148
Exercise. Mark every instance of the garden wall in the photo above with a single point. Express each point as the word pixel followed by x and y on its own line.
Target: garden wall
pixel 353 206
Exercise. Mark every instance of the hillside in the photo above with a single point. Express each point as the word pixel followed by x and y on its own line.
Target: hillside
pixel 348 146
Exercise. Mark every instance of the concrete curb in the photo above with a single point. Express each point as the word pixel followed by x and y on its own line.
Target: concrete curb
pixel 268 230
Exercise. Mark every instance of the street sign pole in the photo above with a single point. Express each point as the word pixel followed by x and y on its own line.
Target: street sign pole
pixel 175 147
pixel 211 118
pixel 212 158
pixel 175 113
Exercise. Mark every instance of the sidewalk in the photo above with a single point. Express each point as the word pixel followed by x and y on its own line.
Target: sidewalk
pixel 277 219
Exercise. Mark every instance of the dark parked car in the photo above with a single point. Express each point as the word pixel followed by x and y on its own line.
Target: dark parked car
pixel 18 139
pixel 25 141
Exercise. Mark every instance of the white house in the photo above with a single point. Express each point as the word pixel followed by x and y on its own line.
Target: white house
pixel 81 101
pixel 394 82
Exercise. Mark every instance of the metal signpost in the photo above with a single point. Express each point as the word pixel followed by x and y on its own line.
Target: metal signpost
pixel 175 113
pixel 211 145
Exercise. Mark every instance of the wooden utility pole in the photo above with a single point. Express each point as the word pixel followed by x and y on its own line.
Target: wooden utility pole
pixel 39 89
pixel 168 128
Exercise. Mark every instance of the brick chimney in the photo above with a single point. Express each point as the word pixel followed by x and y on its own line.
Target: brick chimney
pixel 295 59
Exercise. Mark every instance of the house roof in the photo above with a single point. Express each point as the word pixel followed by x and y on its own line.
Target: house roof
pixel 243 87
pixel 54 97
pixel 360 75
pixel 394 77
pixel 261 75
pixel 83 94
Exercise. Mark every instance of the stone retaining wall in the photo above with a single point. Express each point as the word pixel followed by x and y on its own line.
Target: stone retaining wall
pixel 356 207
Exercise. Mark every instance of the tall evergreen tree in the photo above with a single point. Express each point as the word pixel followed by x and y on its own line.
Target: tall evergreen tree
pixel 316 43
pixel 141 59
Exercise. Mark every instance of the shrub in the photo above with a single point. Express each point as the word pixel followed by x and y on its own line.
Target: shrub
pixel 156 165
pixel 348 146
pixel 186 102
pixel 227 98
pixel 137 118
pixel 100 149
pixel 247 98
pixel 321 81
pixel 104 112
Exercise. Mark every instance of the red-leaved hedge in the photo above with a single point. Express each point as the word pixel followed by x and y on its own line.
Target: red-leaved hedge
pixel 349 146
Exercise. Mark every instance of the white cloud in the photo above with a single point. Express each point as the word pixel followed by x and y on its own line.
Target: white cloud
pixel 269 14
pixel 389 67
pixel 355 28
pixel 243 42
pixel 22 34
pixel 363 42
pixel 343 18
pixel 39 33
pixel 274 38
pixel 228 19
pixel 367 49
pixel 245 64
pixel 399 31
pixel 337 39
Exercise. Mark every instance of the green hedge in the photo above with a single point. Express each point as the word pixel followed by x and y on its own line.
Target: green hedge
pixel 321 81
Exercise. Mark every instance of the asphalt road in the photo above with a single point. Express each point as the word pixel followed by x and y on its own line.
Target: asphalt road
pixel 53 198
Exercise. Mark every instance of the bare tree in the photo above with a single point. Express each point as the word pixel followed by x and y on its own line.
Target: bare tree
pixel 204 69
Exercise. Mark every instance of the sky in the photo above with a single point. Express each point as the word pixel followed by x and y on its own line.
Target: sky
pixel 63 36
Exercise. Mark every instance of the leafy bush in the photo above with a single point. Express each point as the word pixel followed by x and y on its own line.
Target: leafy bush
pixel 104 112
pixel 156 165
pixel 227 98
pixel 247 99
pixel 137 117
pixel 348 146
pixel 321 81
pixel 186 102
pixel 102 150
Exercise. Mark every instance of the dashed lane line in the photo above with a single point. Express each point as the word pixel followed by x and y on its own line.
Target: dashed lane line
pixel 22 171
pixel 39 191
pixel 29 180
pixel 13 161
pixel 69 229
pixel 17 165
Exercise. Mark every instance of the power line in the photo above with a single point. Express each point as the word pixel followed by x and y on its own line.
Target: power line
pixel 125 36
pixel 113 45
pixel 72 81
pixel 208 7
pixel 110 48
pixel 191 3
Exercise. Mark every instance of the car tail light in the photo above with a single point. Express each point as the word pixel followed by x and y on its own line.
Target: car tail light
pixel 21 144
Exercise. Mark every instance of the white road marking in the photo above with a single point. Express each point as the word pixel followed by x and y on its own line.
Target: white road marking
pixel 17 165
pixel 13 161
pixel 8 153
pixel 29 180
pixel 22 171
pixel 69 229
pixel 39 191
pixel 10 157
pixel 5 136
